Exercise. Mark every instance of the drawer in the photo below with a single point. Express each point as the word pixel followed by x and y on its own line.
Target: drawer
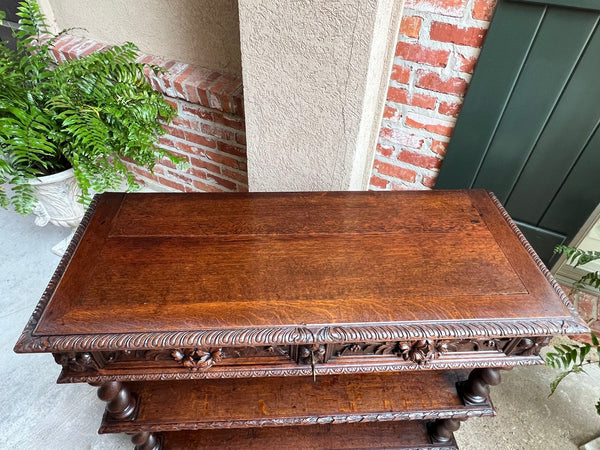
pixel 317 359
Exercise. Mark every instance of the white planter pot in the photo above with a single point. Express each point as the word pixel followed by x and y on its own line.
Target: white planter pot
pixel 58 204
pixel 58 197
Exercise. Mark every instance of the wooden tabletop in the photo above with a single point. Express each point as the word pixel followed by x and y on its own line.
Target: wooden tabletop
pixel 164 270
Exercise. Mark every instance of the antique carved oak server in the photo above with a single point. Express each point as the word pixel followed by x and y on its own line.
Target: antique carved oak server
pixel 355 319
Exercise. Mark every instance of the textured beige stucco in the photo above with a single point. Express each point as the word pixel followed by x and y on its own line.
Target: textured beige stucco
pixel 311 100
pixel 204 33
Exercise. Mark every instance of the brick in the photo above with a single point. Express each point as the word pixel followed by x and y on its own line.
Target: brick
pixel 182 122
pixel 452 8
pixel 430 124
pixel 201 113
pixel 392 170
pixel 175 132
pixel 397 95
pixel 439 147
pixel 378 182
pixel 184 177
pixel 205 187
pixel 225 160
pixel 392 114
pixel 385 150
pixel 433 82
pixel 483 10
pixel 445 32
pixel 228 185
pixel 401 137
pixel 242 188
pixel 419 160
pixel 466 64
pixel 232 174
pixel 410 26
pixel 423 101
pixel 231 149
pixel 428 181
pixel 424 55
pixel 240 138
pixel 199 139
pixel 450 108
pixel 222 133
pixel 235 122
pixel 166 142
pixel 171 183
pixel 404 186
pixel 179 80
pixel 198 163
pixel 400 74
pixel 173 103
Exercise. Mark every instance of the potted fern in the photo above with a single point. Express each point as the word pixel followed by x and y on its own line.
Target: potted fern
pixel 82 117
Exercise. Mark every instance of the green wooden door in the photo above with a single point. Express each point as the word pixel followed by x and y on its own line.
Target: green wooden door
pixel 528 130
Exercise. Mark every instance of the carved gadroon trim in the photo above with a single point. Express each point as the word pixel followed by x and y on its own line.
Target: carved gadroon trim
pixel 534 256
pixel 125 427
pixel 278 336
pixel 197 358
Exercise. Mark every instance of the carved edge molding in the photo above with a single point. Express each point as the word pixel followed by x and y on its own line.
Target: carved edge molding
pixel 217 373
pixel 119 427
pixel 28 343
pixel 298 335
pixel 534 255
pixel 24 342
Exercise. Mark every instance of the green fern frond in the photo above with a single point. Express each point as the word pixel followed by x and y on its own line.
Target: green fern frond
pixel 577 257
pixel 85 113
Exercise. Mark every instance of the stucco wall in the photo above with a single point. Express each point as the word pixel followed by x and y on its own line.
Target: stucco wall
pixel 204 33
pixel 306 69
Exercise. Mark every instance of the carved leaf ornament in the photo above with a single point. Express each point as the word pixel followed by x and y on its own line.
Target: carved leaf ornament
pixel 197 358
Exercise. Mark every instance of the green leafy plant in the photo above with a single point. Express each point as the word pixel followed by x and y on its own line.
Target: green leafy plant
pixel 85 113
pixel 577 257
pixel 572 358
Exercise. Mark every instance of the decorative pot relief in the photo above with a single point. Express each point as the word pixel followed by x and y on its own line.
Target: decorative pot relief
pixel 58 204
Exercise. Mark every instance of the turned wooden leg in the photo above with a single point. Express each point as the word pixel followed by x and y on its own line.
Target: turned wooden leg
pixel 121 404
pixel 147 441
pixel 476 390
pixel 441 430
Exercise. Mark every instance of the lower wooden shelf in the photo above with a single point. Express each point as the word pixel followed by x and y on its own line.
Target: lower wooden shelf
pixel 293 401
pixel 381 435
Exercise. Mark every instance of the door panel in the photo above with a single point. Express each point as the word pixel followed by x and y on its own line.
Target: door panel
pixel 578 196
pixel 543 77
pixel 498 68
pixel 528 126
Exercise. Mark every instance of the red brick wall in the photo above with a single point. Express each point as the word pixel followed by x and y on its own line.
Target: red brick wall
pixel 438 45
pixel 208 132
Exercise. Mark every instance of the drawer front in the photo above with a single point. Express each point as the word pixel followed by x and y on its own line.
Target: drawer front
pixel 316 359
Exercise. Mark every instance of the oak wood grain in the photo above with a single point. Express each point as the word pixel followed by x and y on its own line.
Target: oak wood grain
pixel 278 268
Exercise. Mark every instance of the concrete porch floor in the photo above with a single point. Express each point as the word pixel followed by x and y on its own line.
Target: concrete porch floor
pixel 37 413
